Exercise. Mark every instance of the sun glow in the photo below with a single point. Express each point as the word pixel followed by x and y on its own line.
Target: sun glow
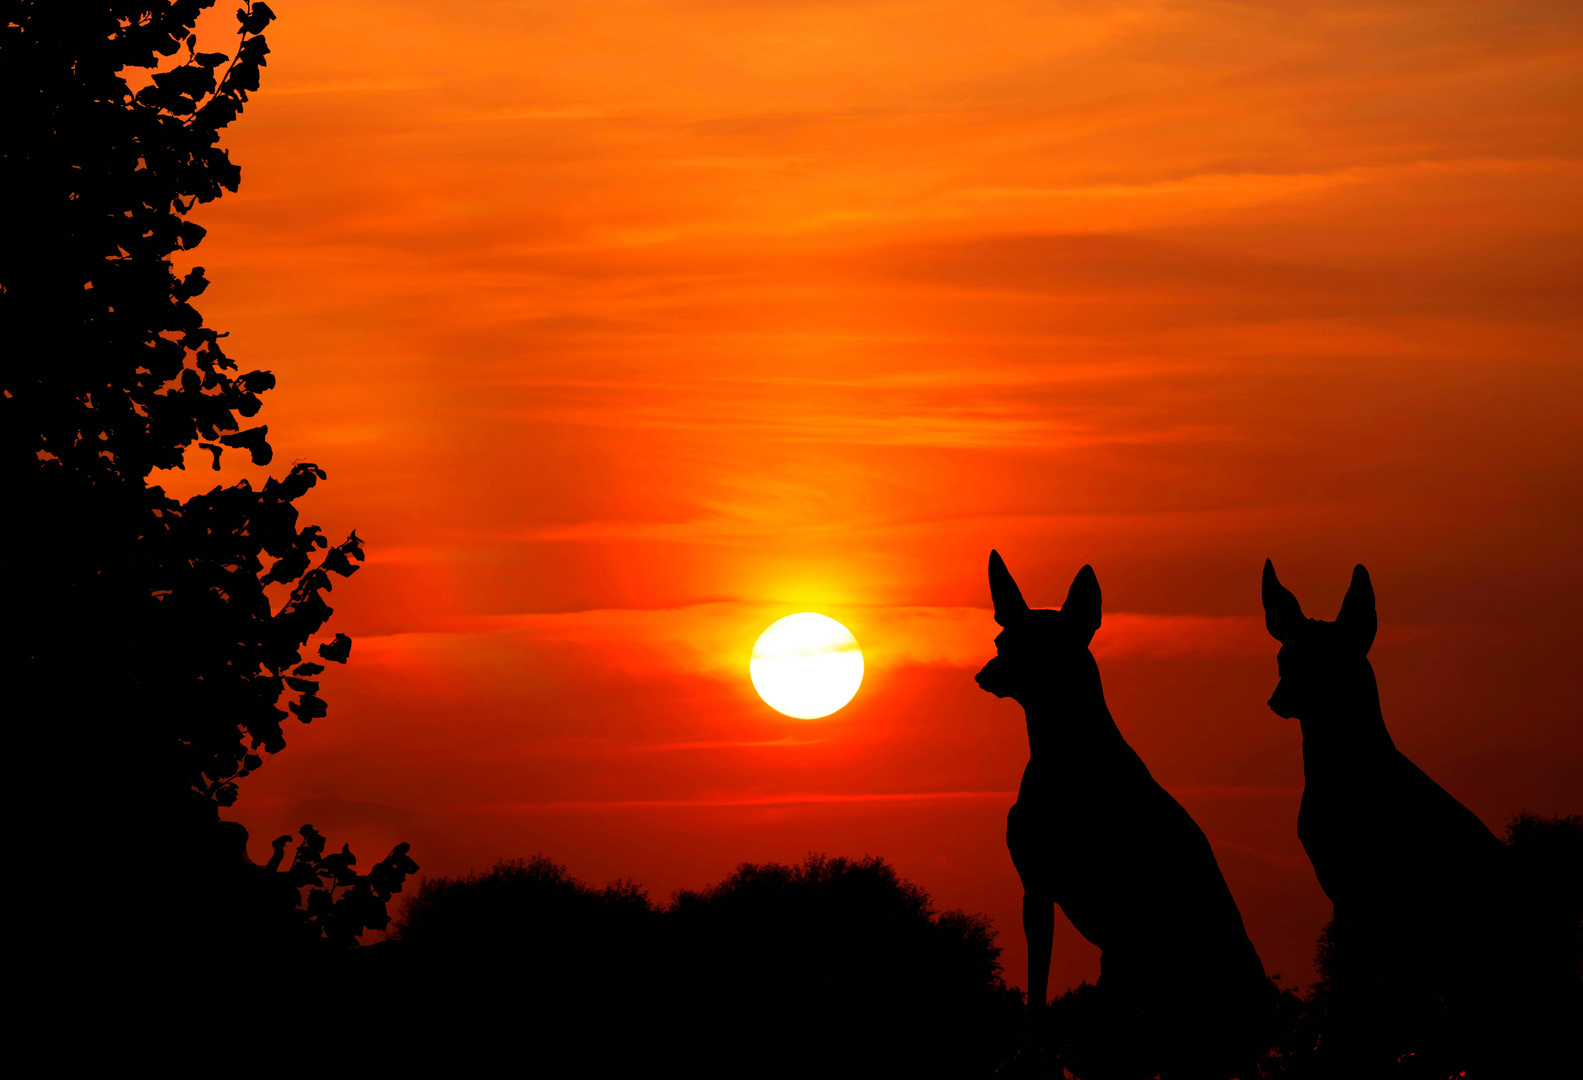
pixel 806 665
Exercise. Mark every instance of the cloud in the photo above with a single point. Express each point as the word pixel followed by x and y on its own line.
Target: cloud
pixel 716 640
pixel 799 798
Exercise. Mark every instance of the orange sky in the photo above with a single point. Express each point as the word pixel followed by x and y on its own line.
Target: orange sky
pixel 625 328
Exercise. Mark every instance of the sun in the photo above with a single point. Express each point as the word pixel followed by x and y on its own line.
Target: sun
pixel 806 665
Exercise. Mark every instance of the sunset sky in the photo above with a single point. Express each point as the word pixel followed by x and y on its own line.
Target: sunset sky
pixel 624 329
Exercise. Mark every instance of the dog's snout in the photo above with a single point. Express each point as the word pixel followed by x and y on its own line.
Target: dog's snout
pixel 1280 703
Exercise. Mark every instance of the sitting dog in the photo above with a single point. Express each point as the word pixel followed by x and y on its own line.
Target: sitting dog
pixel 1422 952
pixel 1182 989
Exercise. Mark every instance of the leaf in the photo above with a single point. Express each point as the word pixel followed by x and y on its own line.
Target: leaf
pixel 287 568
pixel 192 285
pixel 252 22
pixel 308 669
pixel 335 561
pixel 254 440
pixel 308 708
pixel 255 382
pixel 312 842
pixel 338 650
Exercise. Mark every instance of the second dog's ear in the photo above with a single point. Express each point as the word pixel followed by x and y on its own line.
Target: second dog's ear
pixel 1009 603
pixel 1282 613
pixel 1357 616
pixel 1083 603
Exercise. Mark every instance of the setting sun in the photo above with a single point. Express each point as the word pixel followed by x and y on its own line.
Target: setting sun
pixel 806 665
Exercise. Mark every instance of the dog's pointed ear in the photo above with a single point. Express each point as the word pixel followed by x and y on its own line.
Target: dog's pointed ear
pixel 1357 618
pixel 1083 603
pixel 1282 613
pixel 1003 590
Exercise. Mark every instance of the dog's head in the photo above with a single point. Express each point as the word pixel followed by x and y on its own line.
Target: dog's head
pixel 1039 651
pixel 1323 665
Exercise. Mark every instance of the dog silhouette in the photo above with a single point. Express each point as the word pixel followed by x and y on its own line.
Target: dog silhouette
pixel 1092 831
pixel 1418 959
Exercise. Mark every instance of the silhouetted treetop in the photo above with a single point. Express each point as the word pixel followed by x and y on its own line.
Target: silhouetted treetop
pixel 120 373
pixel 512 905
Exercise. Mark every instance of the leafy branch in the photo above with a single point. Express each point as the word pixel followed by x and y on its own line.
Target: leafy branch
pixel 336 903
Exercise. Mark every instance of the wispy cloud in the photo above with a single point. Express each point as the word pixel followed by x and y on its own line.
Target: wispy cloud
pixel 767 800
pixel 724 744
pixel 717 639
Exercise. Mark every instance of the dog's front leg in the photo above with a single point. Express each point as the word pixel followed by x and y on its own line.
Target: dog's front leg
pixel 1038 926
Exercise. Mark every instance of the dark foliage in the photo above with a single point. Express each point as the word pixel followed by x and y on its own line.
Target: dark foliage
pixel 842 960
pixel 161 641
pixel 505 908
pixel 1090 1041
pixel 836 966
pixel 1296 1024
pixel 1548 853
pixel 338 903
pixel 122 375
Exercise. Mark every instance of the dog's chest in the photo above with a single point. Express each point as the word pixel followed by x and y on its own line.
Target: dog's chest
pixel 1084 815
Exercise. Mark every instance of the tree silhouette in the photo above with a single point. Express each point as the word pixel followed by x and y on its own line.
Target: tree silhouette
pixel 158 645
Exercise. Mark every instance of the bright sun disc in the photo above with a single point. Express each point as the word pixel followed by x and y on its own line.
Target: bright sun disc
pixel 806 665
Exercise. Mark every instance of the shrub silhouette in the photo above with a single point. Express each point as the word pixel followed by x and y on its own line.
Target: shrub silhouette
pixel 526 935
pixel 506 909
pixel 835 965
pixel 1547 912
pixel 1091 1042
pixel 844 960
pixel 158 645
pixel 1548 853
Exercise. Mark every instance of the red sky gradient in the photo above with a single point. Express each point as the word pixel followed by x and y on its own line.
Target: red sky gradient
pixel 625 328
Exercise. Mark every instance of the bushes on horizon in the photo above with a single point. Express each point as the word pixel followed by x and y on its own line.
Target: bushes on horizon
pixel 833 965
pixel 846 949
